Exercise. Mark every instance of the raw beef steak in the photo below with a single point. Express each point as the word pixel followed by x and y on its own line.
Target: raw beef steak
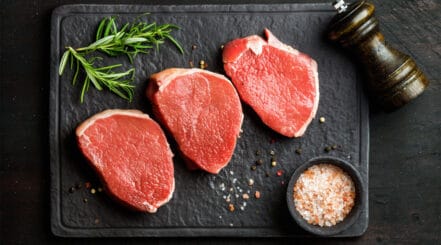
pixel 130 153
pixel 202 111
pixel 277 81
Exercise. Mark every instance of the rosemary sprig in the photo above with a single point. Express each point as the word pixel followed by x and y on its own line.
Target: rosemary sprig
pixel 130 40
pixel 118 83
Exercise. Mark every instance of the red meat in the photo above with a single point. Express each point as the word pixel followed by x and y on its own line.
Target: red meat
pixel 277 81
pixel 130 153
pixel 202 111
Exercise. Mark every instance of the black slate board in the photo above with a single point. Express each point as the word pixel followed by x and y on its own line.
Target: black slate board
pixel 198 207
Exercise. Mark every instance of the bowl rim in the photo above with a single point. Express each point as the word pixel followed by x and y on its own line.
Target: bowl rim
pixel 353 215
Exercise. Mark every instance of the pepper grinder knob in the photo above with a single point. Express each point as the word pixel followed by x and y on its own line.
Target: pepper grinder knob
pixel 393 78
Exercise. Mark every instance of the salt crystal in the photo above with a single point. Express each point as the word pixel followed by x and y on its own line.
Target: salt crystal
pixel 250 182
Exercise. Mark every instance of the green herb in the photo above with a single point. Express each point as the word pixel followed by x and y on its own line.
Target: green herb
pixel 130 40
pixel 118 83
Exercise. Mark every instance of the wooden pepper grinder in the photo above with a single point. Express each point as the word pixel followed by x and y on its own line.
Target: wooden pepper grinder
pixel 393 78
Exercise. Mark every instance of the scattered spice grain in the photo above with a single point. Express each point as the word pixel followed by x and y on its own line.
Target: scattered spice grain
pixel 279 172
pixel 203 64
pixel 257 194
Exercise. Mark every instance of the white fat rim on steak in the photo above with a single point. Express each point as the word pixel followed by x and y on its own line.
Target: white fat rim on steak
pixel 255 43
pixel 153 209
pixel 108 113
pixel 172 73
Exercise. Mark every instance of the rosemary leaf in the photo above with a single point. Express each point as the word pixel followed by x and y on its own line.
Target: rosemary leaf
pixel 63 62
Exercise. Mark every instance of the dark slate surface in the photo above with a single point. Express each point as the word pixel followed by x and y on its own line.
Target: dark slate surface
pixel 198 207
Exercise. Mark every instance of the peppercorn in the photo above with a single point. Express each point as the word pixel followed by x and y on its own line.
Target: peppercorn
pixel 231 207
pixel 273 163
pixel 327 149
pixel 202 64
pixel 92 191
pixel 322 120
pixel 299 151
pixel 253 167
pixel 85 200
pixel 259 162
pixel 72 189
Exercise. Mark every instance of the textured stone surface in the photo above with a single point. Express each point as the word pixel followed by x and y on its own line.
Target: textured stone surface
pixel 198 207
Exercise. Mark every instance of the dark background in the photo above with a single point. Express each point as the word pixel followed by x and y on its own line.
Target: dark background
pixel 405 145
